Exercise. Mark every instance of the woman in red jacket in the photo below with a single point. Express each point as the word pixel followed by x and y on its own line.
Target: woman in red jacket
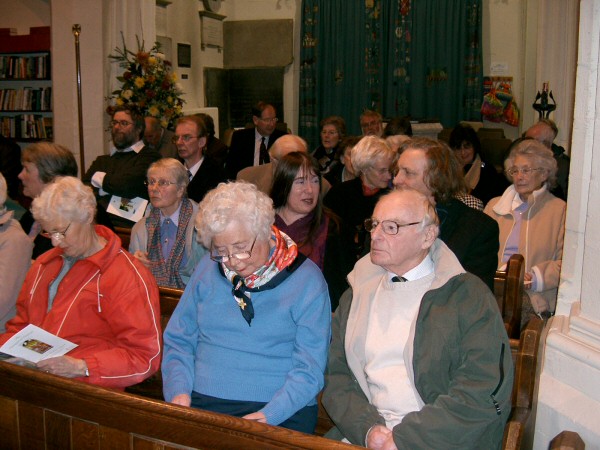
pixel 91 292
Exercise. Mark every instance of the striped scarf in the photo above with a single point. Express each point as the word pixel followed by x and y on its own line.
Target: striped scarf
pixel 167 272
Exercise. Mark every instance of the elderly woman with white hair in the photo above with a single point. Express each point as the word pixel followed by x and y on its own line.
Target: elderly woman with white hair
pixel 353 201
pixel 250 335
pixel 165 241
pixel 89 291
pixel 532 221
pixel 15 258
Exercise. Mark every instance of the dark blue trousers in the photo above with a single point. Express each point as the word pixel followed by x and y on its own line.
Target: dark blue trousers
pixel 305 420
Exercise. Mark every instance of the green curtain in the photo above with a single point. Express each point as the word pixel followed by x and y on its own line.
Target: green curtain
pixel 421 58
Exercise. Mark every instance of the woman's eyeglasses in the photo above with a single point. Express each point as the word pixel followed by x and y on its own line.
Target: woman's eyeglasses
pixel 215 255
pixel 56 235
pixel 159 183
pixel 524 170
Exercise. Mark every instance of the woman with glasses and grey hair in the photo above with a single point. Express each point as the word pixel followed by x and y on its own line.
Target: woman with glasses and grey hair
pixel 165 241
pixel 250 335
pixel 532 222
pixel 89 291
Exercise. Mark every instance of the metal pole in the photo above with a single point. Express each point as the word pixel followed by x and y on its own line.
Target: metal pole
pixel 76 33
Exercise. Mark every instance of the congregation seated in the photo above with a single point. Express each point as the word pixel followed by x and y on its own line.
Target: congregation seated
pixel 333 130
pixel 91 292
pixel 398 126
pixel 430 167
pixel 119 177
pixel 432 371
pixel 545 131
pixel 481 178
pixel 250 334
pixel 204 173
pixel 343 171
pixel 42 163
pixel 158 138
pixel 165 241
pixel 532 223
pixel 299 213
pixel 215 148
pixel 249 146
pixel 15 257
pixel 353 201
pixel 262 176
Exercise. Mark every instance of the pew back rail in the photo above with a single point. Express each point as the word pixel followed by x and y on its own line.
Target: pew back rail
pixel 38 410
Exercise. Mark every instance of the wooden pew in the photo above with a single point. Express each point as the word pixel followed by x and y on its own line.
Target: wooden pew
pixel 508 289
pixel 38 410
pixel 525 356
pixel 125 235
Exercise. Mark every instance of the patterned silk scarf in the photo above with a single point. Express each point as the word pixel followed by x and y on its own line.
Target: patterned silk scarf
pixel 167 272
pixel 284 254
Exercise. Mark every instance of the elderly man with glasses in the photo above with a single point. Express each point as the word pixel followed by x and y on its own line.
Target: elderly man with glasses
pixel 122 173
pixel 204 173
pixel 249 147
pixel 419 356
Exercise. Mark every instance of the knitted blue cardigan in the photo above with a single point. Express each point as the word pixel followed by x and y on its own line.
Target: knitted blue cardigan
pixel 280 359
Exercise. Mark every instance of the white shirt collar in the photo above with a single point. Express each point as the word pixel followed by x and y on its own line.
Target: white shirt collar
pixel 137 147
pixel 195 167
pixel 423 269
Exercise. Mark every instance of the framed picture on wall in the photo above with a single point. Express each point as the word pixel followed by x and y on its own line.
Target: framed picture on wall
pixel 184 55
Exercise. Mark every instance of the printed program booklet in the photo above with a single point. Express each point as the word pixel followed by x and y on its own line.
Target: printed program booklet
pixel 34 344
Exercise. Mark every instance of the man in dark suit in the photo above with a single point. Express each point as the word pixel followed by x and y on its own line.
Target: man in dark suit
pixel 249 146
pixel 190 138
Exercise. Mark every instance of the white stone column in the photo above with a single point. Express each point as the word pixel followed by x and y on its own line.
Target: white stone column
pixel 569 385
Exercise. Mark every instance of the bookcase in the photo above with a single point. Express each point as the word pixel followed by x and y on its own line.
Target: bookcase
pixel 26 85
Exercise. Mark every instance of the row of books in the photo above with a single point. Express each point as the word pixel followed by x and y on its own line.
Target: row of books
pixel 25 67
pixel 26 99
pixel 26 126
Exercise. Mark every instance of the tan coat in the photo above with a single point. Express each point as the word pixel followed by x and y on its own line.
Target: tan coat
pixel 540 242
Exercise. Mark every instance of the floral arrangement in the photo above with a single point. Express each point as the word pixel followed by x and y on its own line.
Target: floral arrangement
pixel 148 84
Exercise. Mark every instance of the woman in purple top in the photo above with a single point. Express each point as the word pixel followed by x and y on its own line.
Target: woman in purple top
pixel 300 214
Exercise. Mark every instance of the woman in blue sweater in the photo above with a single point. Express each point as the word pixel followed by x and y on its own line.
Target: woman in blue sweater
pixel 251 332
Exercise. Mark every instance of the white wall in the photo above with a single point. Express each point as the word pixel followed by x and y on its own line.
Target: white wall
pixel 22 14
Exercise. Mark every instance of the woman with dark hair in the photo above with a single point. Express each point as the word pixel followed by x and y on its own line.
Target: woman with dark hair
pixel 42 163
pixel 300 214
pixel 333 130
pixel 481 178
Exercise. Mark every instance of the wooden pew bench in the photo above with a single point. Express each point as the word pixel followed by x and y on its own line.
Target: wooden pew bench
pixel 38 410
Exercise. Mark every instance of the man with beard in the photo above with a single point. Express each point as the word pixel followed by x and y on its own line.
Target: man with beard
pixel 122 173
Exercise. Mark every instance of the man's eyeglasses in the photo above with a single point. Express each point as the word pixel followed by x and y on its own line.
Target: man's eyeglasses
pixel 215 255
pixel 160 183
pixel 122 123
pixel 388 226
pixel 524 170
pixel 185 138
pixel 269 119
pixel 56 235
